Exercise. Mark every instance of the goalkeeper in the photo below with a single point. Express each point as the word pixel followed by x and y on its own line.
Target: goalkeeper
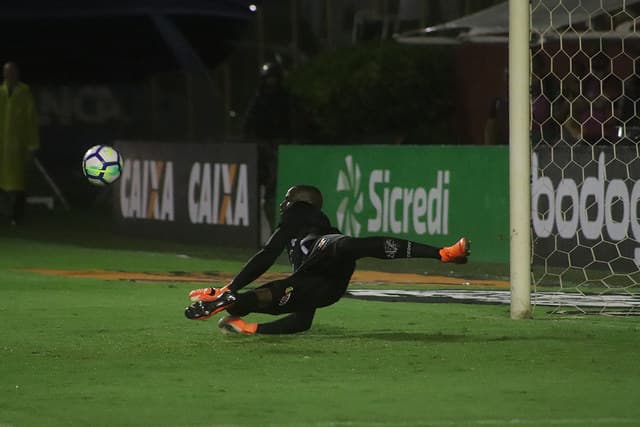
pixel 323 261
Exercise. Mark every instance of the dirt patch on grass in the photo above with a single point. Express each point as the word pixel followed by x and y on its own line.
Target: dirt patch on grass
pixel 364 277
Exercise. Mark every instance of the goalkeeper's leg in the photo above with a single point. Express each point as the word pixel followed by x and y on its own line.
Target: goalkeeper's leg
pixel 298 295
pixel 321 281
pixel 391 248
pixel 291 324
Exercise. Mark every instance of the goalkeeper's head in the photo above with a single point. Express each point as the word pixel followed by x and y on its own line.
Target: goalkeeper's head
pixel 302 193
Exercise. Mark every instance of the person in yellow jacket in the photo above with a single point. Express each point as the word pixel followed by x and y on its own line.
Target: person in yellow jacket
pixel 19 138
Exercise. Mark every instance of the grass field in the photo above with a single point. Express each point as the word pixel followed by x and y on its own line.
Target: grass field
pixel 88 352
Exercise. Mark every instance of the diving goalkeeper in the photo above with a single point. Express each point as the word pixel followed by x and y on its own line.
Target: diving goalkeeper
pixel 323 261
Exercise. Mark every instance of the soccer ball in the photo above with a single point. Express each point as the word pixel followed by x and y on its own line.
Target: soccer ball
pixel 102 165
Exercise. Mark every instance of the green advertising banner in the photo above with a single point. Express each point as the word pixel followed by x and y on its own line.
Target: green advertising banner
pixel 431 194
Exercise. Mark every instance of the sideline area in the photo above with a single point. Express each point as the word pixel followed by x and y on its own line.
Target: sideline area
pixel 629 304
pixel 359 277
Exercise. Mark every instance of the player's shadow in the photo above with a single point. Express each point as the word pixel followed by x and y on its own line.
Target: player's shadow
pixel 427 337
pixel 337 333
pixel 398 336
pixel 437 337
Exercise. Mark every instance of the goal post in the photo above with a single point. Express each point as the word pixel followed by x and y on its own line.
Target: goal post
pixel 519 160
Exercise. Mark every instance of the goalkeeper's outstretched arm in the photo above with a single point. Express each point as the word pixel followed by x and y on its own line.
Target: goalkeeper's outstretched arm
pixel 261 261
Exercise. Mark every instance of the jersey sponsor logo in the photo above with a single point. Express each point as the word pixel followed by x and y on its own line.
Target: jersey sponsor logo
pixel 304 249
pixel 322 243
pixel 390 248
pixel 389 207
pixel 286 297
pixel 146 190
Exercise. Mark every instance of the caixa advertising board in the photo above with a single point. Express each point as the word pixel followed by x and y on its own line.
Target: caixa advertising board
pixel 585 206
pixel 189 192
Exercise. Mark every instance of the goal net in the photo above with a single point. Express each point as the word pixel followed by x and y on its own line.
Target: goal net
pixel 585 163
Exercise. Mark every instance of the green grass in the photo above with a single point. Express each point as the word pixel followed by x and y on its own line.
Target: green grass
pixel 78 352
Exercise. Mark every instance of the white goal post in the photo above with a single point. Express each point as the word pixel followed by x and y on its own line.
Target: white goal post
pixel 519 160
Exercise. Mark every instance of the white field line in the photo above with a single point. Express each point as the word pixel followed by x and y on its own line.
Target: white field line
pixel 609 421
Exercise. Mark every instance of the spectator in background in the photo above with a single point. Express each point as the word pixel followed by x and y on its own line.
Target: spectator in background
pixel 496 128
pixel 592 106
pixel 629 104
pixel 547 107
pixel 268 122
pixel 19 138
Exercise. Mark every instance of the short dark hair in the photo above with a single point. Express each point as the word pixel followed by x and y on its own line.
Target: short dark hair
pixel 308 194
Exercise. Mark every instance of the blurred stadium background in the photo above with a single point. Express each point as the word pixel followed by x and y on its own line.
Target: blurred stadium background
pixel 398 110
pixel 188 71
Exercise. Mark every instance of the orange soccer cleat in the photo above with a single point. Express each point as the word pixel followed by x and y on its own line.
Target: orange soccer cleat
pixel 457 253
pixel 201 310
pixel 235 325
pixel 207 294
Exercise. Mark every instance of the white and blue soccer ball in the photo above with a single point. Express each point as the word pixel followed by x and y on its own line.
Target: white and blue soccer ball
pixel 102 165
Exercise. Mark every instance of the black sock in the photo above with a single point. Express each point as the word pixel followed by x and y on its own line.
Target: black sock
pixel 386 248
pixel 291 324
pixel 246 303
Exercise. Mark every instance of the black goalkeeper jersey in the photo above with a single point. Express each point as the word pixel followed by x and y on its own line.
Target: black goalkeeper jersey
pixel 300 225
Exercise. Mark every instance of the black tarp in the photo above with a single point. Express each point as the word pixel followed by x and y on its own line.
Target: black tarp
pixel 81 41
pixel 81 57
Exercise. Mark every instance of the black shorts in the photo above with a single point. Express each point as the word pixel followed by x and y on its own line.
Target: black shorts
pixel 320 281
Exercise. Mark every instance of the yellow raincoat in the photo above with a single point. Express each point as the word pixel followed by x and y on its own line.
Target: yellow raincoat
pixel 19 135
